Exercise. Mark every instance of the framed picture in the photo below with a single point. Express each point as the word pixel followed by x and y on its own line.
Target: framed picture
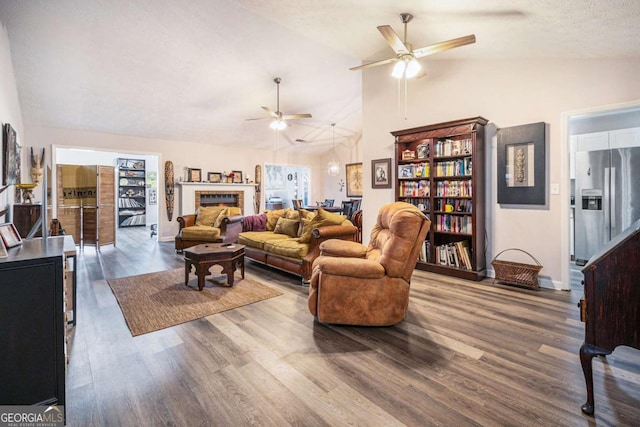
pixel 522 165
pixel 194 175
pixel 381 173
pixel 10 235
pixel 3 250
pixel 11 156
pixel 237 177
pixel 354 179
pixel 214 177
pixel 423 151
pixel 408 155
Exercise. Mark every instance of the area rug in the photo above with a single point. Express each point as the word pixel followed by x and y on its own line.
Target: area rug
pixel 159 300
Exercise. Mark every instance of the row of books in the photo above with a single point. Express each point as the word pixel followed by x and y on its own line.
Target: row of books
pixel 453 205
pixel 425 252
pixel 450 147
pixel 416 170
pixel 461 167
pixel 453 224
pixel 454 255
pixel 453 188
pixel 415 189
pixel 129 203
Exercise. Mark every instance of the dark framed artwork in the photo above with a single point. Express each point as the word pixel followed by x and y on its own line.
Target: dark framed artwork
pixel 214 177
pixel 194 175
pixel 237 177
pixel 381 173
pixel 9 235
pixel 10 155
pixel 354 179
pixel 522 168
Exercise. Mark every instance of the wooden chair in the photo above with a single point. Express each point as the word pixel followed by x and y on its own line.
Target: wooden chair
pixel 347 208
pixel 296 203
pixel 328 202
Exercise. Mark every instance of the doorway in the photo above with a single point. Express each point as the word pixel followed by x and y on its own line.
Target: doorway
pixel 89 156
pixel 591 204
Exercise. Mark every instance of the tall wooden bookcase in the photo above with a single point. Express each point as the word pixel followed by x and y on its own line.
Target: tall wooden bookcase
pixel 440 169
pixel 132 200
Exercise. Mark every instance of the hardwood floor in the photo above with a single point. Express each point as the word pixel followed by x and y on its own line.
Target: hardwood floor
pixel 468 354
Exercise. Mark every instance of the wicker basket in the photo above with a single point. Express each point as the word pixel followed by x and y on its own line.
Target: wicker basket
pixel 516 273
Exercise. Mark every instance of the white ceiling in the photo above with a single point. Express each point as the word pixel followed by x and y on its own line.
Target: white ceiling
pixel 195 70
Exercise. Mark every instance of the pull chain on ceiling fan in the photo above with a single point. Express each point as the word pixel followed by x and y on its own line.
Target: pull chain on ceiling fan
pixel 406 58
pixel 279 119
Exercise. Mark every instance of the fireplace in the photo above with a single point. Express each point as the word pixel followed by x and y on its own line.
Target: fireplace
pixel 219 198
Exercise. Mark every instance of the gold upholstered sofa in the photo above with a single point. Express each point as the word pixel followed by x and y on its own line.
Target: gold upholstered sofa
pixel 210 224
pixel 289 239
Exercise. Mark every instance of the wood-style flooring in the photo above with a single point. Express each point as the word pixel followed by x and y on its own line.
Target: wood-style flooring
pixel 468 354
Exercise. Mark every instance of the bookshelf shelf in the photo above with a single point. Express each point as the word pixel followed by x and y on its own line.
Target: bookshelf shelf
pixel 132 193
pixel 441 170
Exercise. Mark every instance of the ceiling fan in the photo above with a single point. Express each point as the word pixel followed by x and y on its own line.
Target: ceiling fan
pixel 279 119
pixel 406 57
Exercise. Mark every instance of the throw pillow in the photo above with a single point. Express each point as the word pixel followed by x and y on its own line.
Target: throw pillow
pixel 321 219
pixel 227 212
pixel 272 218
pixel 207 215
pixel 287 226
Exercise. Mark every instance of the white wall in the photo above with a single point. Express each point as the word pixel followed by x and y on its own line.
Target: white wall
pixel 9 111
pixel 209 158
pixel 507 93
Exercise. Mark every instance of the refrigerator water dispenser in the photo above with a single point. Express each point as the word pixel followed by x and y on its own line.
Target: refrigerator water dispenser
pixel 592 199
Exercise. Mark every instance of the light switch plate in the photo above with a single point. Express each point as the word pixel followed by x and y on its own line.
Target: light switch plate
pixel 555 188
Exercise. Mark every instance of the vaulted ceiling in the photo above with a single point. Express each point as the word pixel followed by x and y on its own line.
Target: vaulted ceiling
pixel 195 70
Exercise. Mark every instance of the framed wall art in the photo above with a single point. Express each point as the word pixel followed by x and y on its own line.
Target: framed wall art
pixel 381 173
pixel 354 179
pixel 522 168
pixel 10 156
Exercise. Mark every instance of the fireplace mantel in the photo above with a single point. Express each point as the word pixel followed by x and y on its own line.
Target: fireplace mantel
pixel 189 189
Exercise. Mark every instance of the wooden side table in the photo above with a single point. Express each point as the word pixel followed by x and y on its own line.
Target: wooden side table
pixel 202 257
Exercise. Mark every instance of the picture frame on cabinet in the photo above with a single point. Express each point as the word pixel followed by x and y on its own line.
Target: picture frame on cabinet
pixel 381 173
pixel 354 179
pixel 10 235
pixel 522 164
pixel 194 175
pixel 408 155
pixel 214 177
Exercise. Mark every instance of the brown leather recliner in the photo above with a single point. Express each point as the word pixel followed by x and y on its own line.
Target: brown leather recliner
pixel 353 284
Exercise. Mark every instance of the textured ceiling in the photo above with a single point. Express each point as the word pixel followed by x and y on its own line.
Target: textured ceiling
pixel 195 70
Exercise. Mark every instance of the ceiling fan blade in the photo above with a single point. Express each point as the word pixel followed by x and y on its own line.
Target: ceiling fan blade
pixel 439 47
pixel 257 118
pixel 392 38
pixel 297 116
pixel 374 64
pixel 271 112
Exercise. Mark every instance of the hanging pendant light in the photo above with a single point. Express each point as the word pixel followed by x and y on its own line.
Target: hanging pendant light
pixel 333 167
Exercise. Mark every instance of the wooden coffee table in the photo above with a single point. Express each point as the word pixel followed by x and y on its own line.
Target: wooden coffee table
pixel 202 257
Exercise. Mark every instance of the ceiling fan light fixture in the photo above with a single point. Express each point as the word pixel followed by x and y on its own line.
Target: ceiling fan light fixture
pixel 278 124
pixel 398 69
pixel 333 167
pixel 413 68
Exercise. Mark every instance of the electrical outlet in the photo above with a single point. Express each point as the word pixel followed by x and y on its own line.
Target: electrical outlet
pixel 555 188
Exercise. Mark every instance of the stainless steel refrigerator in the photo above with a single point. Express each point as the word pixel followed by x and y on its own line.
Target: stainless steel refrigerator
pixel 607 188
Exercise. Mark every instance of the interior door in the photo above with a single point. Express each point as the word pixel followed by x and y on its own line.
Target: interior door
pixel 106 212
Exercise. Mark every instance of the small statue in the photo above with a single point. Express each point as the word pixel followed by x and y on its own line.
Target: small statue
pixel 37 167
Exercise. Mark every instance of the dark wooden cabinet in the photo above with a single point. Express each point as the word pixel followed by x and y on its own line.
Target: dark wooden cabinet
pixel 611 304
pixel 32 330
pixel 25 216
pixel 440 169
